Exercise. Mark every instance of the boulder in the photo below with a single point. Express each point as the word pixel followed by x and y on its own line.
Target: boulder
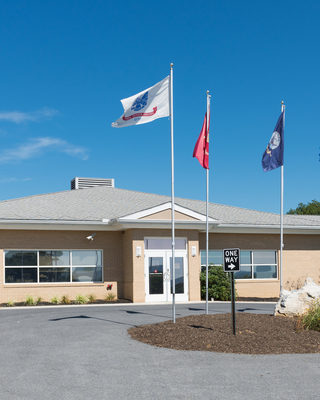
pixel 295 302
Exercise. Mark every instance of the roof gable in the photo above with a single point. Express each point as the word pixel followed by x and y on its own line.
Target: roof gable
pixel 163 212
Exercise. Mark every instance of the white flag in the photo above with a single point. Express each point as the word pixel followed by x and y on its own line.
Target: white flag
pixel 145 106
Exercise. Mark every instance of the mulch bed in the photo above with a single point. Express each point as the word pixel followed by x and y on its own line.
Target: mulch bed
pixel 255 334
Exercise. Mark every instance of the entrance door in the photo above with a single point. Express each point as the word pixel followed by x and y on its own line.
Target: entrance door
pixel 158 275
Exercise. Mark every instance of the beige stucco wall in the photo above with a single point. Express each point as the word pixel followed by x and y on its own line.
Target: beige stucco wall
pixel 109 242
pixel 125 270
pixel 166 215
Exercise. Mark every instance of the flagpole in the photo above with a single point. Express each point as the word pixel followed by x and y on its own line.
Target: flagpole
pixel 172 201
pixel 207 210
pixel 281 207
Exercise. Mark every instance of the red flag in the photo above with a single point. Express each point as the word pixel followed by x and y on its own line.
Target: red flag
pixel 201 149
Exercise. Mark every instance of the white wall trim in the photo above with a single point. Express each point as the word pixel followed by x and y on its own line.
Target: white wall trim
pixel 163 207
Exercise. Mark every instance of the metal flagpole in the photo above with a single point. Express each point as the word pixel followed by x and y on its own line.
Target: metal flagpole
pixel 207 208
pixel 281 205
pixel 172 200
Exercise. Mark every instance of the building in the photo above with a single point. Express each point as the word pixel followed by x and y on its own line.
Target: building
pixel 97 237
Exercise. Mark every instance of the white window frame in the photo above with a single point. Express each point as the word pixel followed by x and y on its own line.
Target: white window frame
pixel 252 265
pixel 52 266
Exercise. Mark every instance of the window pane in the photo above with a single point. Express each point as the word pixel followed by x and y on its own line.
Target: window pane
pixel 245 257
pixel 23 258
pixel 54 274
pixel 165 244
pixel 88 274
pixel 264 257
pixel 21 275
pixel 265 271
pixel 54 257
pixel 86 257
pixel 179 274
pixel 155 275
pixel 244 273
pixel 215 257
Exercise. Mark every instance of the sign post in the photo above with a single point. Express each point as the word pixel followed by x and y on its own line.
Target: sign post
pixel 231 263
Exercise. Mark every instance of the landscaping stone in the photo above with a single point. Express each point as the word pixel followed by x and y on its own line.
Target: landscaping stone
pixel 296 302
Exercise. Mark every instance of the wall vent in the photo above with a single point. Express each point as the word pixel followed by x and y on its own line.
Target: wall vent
pixel 84 183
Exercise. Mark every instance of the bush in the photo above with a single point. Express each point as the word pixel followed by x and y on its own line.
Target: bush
pixel 219 284
pixel 29 301
pixel 10 303
pixel 81 299
pixel 311 319
pixel 39 300
pixel 54 300
pixel 91 298
pixel 110 297
pixel 65 300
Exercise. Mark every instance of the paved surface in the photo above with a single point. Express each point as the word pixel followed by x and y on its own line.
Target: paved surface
pixel 86 353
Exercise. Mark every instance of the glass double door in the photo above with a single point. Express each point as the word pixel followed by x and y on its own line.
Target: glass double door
pixel 158 275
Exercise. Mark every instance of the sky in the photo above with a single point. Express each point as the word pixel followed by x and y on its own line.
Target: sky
pixel 65 65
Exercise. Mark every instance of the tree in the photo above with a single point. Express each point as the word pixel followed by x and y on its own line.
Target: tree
pixel 311 208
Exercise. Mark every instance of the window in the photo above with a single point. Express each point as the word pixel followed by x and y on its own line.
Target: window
pixel 53 266
pixel 164 244
pixel 254 264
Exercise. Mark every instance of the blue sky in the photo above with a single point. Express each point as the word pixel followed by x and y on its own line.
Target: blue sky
pixel 65 65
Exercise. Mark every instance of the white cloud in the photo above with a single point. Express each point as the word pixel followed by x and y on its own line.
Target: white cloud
pixel 18 116
pixel 37 146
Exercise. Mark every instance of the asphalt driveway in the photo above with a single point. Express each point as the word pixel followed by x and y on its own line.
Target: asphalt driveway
pixel 85 353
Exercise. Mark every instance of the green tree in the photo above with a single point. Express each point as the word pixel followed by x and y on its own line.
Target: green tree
pixel 219 284
pixel 311 208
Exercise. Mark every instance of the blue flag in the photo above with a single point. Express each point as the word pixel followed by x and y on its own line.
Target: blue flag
pixel 273 156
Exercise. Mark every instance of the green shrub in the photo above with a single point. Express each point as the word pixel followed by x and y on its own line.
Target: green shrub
pixel 39 300
pixel 54 300
pixel 10 303
pixel 311 319
pixel 91 298
pixel 81 299
pixel 110 297
pixel 65 300
pixel 29 301
pixel 219 284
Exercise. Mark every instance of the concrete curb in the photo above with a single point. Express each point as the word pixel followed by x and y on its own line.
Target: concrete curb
pixel 127 305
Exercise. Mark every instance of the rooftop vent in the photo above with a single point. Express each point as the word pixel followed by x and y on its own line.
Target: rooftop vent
pixel 84 183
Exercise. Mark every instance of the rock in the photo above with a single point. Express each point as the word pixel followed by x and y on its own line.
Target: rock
pixel 295 302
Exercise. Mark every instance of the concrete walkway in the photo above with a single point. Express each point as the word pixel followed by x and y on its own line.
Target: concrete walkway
pixel 85 353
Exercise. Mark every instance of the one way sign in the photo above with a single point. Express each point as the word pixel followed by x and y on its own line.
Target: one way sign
pixel 231 260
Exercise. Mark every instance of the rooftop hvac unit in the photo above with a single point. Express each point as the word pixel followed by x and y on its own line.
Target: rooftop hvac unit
pixel 84 183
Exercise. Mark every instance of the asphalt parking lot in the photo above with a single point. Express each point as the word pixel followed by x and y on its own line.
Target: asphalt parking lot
pixel 85 353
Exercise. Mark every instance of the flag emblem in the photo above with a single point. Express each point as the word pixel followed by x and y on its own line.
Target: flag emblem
pixel 140 102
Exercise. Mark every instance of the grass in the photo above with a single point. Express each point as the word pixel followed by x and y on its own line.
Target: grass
pixel 310 320
pixel 29 301
pixel 91 298
pixel 81 299
pixel 10 303
pixel 65 300
pixel 110 297
pixel 54 300
pixel 39 300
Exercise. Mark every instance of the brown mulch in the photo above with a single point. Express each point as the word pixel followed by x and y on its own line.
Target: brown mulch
pixel 255 334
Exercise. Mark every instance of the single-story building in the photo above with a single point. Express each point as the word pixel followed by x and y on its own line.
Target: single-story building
pixel 97 239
